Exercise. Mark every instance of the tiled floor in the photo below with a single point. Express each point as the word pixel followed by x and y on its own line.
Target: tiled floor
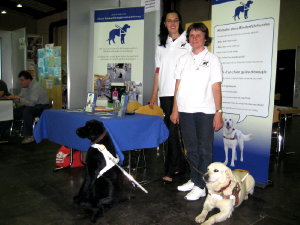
pixel 32 194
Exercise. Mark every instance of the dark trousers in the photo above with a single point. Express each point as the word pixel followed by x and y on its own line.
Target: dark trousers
pixel 174 157
pixel 198 135
pixel 27 114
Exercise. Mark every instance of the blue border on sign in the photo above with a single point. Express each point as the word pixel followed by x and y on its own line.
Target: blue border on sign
pixel 217 2
pixel 123 14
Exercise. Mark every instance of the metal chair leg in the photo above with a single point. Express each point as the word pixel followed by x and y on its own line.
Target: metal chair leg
pixel 141 151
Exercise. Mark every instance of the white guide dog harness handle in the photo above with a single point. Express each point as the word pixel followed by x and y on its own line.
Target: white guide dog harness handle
pixel 112 161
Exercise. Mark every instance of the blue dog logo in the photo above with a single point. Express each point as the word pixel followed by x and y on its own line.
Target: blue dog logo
pixel 243 8
pixel 120 32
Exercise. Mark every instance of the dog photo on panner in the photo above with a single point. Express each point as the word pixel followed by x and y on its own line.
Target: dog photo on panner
pixel 233 139
pixel 227 189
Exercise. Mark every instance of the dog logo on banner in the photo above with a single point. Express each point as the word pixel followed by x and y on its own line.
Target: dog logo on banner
pixel 120 32
pixel 244 8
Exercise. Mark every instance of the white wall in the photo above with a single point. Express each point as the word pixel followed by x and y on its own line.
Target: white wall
pixel 13 57
pixel 78 45
pixel 6 58
pixel 18 55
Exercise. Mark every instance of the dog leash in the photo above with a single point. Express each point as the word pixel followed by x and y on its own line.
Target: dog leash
pixel 184 151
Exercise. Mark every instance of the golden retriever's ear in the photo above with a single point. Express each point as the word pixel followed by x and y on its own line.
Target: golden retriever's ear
pixel 228 173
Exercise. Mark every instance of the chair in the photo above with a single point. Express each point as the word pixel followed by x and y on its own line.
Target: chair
pixel 157 111
pixel 277 98
pixel 276 130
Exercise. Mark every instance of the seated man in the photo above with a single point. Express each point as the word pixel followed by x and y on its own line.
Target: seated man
pixel 31 102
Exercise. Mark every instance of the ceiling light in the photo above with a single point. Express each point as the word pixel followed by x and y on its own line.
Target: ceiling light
pixel 19 5
pixel 3 12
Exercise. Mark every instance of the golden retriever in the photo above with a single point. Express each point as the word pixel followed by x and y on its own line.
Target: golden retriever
pixel 226 190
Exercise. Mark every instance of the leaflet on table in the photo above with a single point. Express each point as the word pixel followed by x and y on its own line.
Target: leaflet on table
pixel 104 109
pixel 73 110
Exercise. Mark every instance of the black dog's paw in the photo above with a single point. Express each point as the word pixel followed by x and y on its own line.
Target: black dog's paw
pixel 81 203
pixel 97 213
pixel 127 198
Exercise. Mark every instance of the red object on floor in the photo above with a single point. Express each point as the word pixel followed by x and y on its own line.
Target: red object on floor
pixel 64 158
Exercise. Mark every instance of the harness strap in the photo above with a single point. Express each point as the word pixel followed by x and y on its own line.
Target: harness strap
pixel 234 196
pixel 110 160
pixel 234 136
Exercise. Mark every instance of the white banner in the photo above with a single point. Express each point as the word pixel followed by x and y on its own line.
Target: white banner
pixel 119 50
pixel 245 39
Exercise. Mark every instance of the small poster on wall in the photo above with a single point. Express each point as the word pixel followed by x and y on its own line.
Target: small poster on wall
pixel 34 42
pixel 49 70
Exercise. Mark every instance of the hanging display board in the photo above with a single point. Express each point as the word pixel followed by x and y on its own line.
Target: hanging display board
pixel 118 52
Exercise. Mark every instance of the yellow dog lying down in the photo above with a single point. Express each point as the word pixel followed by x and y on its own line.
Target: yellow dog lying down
pixel 226 190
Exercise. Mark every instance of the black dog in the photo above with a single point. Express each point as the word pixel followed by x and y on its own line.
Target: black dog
pixel 98 193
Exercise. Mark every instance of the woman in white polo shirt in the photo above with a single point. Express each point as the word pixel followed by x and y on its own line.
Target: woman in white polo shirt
pixel 172 45
pixel 198 105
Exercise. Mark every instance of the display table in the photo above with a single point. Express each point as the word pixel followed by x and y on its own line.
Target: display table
pixel 6 110
pixel 128 132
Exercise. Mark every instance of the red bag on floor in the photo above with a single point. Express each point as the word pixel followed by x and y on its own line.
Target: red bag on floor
pixel 63 157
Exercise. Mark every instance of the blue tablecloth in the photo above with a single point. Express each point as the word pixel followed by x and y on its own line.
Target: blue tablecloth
pixel 128 132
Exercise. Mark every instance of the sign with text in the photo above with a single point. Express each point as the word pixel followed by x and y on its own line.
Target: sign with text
pixel 245 35
pixel 238 45
pixel 118 50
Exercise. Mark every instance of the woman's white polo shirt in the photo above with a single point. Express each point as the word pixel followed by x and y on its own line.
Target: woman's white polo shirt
pixel 165 60
pixel 197 74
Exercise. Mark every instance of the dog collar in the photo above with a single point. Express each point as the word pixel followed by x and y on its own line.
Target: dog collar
pixel 100 138
pixel 223 188
pixel 229 138
pixel 110 160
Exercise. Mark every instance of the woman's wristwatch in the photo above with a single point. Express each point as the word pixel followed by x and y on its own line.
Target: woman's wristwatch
pixel 219 110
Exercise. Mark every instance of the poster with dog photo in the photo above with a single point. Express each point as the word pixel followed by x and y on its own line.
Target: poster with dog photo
pixel 119 72
pixel 118 47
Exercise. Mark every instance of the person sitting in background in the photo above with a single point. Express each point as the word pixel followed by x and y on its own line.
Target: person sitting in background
pixel 3 89
pixel 30 103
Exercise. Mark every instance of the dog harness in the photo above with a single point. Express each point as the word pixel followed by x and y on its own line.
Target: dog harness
pixel 234 195
pixel 234 136
pixel 110 160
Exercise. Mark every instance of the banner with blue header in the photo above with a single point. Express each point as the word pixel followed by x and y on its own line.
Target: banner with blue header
pixel 118 52
pixel 245 36
pixel 121 14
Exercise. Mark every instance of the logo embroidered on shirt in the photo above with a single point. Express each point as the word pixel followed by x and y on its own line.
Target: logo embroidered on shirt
pixel 204 63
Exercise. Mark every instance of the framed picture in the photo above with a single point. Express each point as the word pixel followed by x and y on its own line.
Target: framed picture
pixel 90 102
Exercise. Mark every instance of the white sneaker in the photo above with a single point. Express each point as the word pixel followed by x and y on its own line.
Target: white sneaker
pixel 186 187
pixel 195 194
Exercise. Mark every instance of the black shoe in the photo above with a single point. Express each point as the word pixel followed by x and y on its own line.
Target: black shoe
pixel 178 173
